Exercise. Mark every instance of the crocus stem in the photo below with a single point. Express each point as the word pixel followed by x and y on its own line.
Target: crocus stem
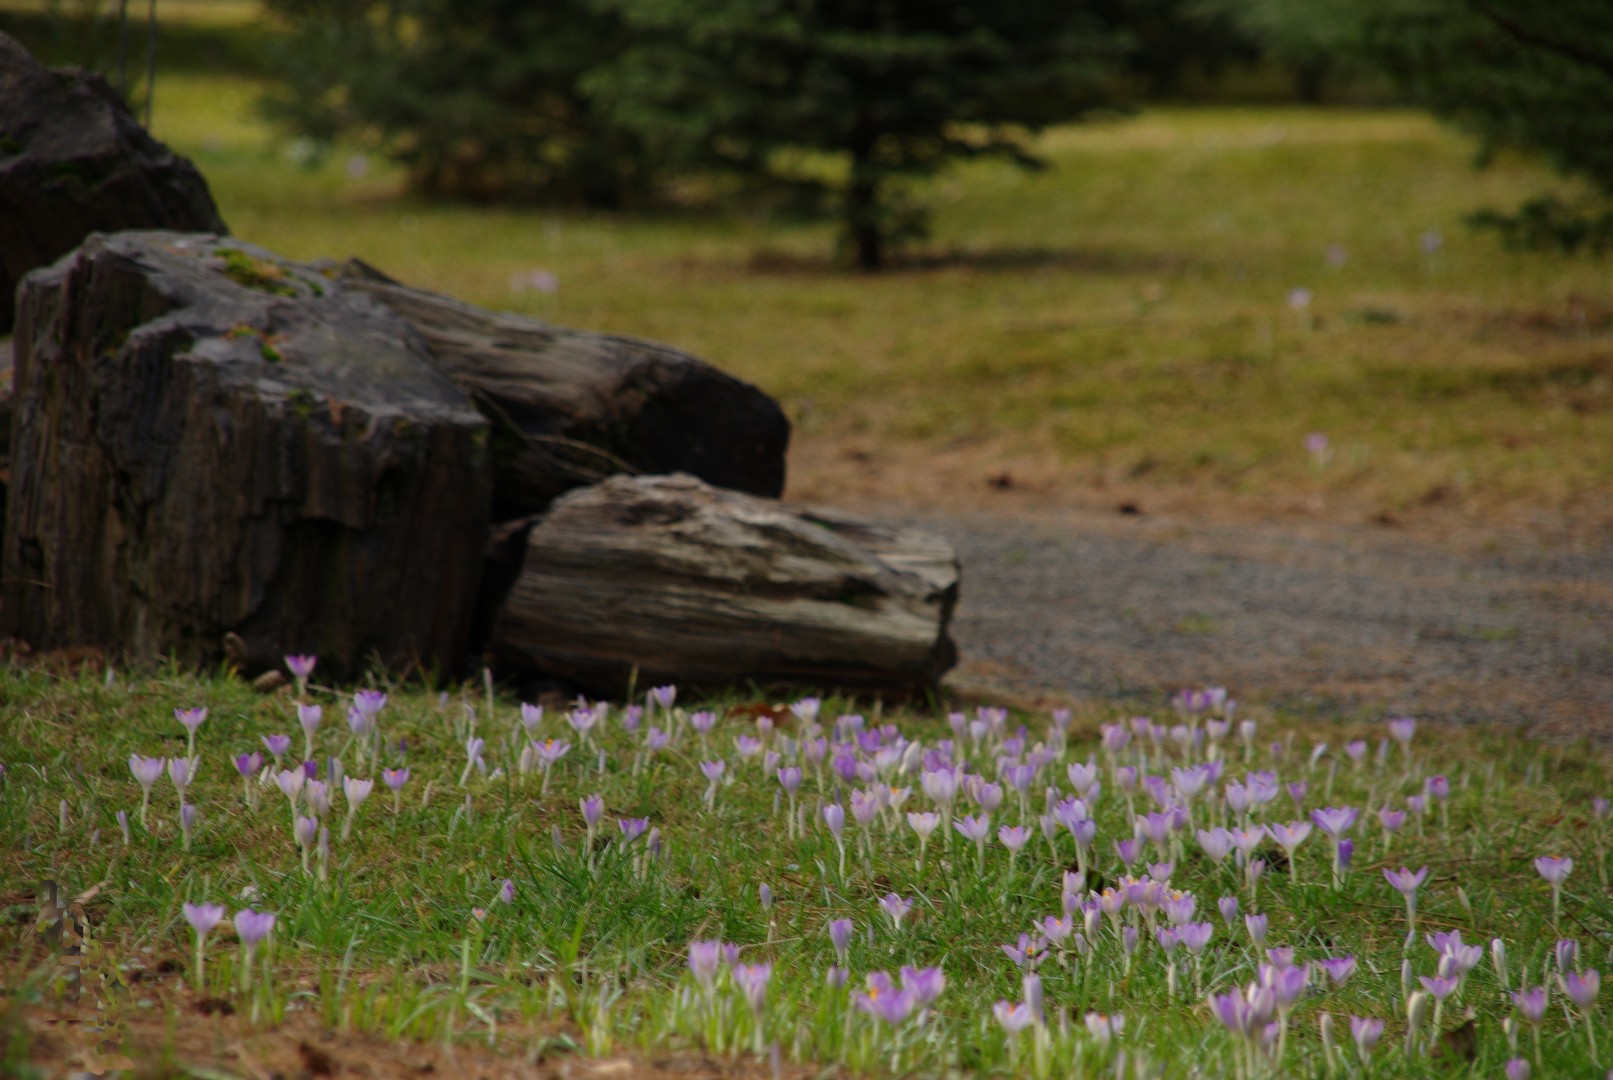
pixel 1590 1034
pixel 199 962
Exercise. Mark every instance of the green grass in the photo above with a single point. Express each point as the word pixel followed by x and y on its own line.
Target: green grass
pixel 594 944
pixel 1117 320
pixel 1121 318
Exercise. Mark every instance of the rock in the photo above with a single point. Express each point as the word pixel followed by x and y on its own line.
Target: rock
pixel 74 160
pixel 671 579
pixel 210 440
pixel 571 407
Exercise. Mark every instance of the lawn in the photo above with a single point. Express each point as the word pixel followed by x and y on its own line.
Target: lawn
pixel 1122 323
pixel 1171 312
pixel 669 884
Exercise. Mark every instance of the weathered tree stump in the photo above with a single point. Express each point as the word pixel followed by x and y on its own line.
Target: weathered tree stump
pixel 680 581
pixel 571 407
pixel 74 160
pixel 209 440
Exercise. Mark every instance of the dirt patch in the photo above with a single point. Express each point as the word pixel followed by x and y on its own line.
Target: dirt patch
pixel 176 1033
pixel 1070 592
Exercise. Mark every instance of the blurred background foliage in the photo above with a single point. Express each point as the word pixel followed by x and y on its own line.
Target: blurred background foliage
pixel 836 107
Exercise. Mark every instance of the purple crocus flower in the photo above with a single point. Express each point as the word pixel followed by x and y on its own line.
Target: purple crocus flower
pixel 179 773
pixel 840 937
pixel 1216 842
pixel 301 666
pixel 1366 1031
pixel 1439 986
pixel 394 779
pixel 203 917
pixel 277 745
pixel 703 959
pixel 1256 925
pixel 1401 729
pixel 1581 988
pixel 975 828
pixel 1554 868
pixel 191 719
pixel 1194 937
pixel 1391 819
pixel 834 816
pixel 1027 953
pixel 1229 909
pixel 1013 1018
pixel 789 779
pixel 1517 1069
pixel 1335 821
pixel 1407 882
pixel 593 808
pixel 506 891
pixel 925 984
pixel 252 927
pixel 884 1001
pixel 1338 969
pixel 1531 1003
pixel 248 764
pixel 1566 954
pixel 752 980
pixel 632 828
pixel 1014 837
pixel 1438 787
pixel 896 907
pixel 146 770
pixel 369 702
pixel 713 771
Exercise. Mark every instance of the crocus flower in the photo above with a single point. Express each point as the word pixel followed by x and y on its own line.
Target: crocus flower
pixel 1401 729
pixel 191 719
pixel 252 927
pixel 301 667
pixel 1555 869
pixel 309 717
pixel 884 1001
pixel 925 984
pixel 187 822
pixel 752 980
pixel 632 828
pixel 1408 883
pixel 840 937
pixel 1027 953
pixel 506 891
pixel 356 791
pixel 473 758
pixel 1338 969
pixel 1517 1069
pixel 1229 909
pixel 896 907
pixel 1439 987
pixel 1581 988
pixel 1531 1003
pixel 1256 926
pixel 1013 1018
pixel 1290 836
pixel 1366 1031
pixel 202 919
pixel 179 772
pixel 394 779
pixel 146 772
pixel 703 960
pixel 277 745
pixel 1566 954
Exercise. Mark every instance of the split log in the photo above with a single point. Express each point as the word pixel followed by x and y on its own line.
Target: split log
pixel 571 407
pixel 73 161
pixel 678 581
pixel 211 441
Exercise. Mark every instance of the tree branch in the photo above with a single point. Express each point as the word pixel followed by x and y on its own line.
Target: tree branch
pixel 1526 36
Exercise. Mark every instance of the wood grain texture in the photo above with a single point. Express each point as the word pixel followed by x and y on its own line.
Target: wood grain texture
pixel 209 439
pixel 689 583
pixel 571 407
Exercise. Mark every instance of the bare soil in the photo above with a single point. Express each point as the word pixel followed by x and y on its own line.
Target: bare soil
pixel 1443 611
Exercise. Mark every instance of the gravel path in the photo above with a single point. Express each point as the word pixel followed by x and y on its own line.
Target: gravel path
pixel 1365 619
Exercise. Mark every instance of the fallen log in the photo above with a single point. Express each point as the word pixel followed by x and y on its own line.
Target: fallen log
pixel 215 443
pixel 571 407
pixel 669 579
